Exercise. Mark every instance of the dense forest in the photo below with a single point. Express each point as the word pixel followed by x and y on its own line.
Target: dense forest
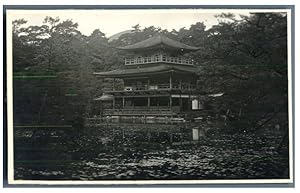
pixel 245 58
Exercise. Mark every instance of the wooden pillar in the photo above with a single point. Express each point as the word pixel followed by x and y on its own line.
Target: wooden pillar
pixel 170 81
pixel 113 133
pixel 180 102
pixel 171 138
pixel 180 82
pixel 190 102
pixel 101 109
pixel 148 104
pixel 123 101
pixel 114 84
pixel 148 136
pixel 123 133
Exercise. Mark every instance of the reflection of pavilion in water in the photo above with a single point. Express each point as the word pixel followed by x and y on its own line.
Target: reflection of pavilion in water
pixel 159 84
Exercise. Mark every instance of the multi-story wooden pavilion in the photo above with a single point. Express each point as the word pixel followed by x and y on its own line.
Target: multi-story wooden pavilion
pixel 158 84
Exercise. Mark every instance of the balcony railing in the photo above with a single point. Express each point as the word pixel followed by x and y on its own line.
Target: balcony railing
pixel 159 58
pixel 137 111
pixel 143 110
pixel 183 86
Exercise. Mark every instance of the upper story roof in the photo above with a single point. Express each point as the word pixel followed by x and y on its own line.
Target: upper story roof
pixel 159 40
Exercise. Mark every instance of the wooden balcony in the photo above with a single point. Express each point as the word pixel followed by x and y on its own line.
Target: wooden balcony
pixel 143 120
pixel 143 110
pixel 143 115
pixel 138 112
pixel 158 59
pixel 153 88
pixel 162 87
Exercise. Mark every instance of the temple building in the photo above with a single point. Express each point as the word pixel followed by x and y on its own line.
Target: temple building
pixel 158 84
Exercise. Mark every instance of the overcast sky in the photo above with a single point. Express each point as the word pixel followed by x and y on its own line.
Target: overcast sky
pixel 111 22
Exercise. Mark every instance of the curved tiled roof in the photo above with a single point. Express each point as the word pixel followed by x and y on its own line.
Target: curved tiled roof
pixel 146 71
pixel 158 40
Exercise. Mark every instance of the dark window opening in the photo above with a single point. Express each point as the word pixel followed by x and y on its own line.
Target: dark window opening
pixel 140 102
pixel 159 101
pixel 175 102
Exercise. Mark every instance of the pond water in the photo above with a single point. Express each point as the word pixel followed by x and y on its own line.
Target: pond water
pixel 239 156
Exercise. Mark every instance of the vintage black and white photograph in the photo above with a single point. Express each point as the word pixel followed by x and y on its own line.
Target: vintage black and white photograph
pixel 150 96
